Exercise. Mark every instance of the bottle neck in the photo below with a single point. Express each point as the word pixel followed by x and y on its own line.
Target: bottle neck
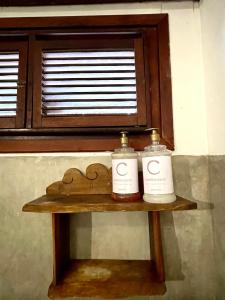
pixel 155 143
pixel 124 148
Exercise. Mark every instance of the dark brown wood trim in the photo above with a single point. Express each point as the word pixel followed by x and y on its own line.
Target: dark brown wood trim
pixel 37 85
pixel 88 121
pixel 70 144
pixel 71 131
pixel 74 144
pixel 81 21
pixel 165 82
pixel 21 86
pixel 7 122
pixel 29 102
pixel 140 82
pixel 156 243
pixel 152 78
pixel 61 244
pixel 69 2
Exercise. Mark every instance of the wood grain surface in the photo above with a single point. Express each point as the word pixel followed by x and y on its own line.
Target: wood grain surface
pixel 98 180
pixel 99 203
pixel 108 279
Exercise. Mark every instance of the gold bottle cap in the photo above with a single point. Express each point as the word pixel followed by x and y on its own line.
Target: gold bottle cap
pixel 124 138
pixel 154 134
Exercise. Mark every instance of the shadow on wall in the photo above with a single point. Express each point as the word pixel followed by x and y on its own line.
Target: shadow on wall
pixel 172 256
pixel 191 180
pixel 81 242
pixel 81 235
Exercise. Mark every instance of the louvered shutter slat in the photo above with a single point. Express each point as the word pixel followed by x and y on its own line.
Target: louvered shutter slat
pixel 6 98
pixel 7 113
pixel 75 90
pixel 89 62
pixel 88 82
pixel 9 63
pixel 70 104
pixel 88 76
pixel 8 91
pixel 9 106
pixel 6 84
pixel 89 54
pixel 91 111
pixel 63 69
pixel 8 78
pixel 88 97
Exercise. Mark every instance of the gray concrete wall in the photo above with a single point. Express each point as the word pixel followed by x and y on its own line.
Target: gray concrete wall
pixel 193 241
pixel 217 198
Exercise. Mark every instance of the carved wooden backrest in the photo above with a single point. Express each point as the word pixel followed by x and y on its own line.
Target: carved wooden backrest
pixel 98 180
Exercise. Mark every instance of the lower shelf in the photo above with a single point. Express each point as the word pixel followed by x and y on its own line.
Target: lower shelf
pixel 108 279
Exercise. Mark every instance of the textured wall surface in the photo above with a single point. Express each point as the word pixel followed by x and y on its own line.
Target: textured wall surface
pixel 212 14
pixel 25 238
pixel 217 198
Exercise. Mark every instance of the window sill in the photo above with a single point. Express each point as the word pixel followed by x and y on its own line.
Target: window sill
pixel 69 142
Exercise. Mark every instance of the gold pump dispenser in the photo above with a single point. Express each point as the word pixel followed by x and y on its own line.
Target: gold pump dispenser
pixel 124 139
pixel 154 134
pixel 125 172
pixel 157 171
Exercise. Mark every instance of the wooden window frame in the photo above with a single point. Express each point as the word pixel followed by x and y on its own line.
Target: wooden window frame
pixel 137 119
pixel 158 87
pixel 68 2
pixel 21 47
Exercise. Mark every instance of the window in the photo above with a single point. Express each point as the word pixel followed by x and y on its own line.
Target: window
pixel 12 82
pixel 90 81
pixel 72 83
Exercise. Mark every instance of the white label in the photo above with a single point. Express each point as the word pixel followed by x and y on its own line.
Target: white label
pixel 125 176
pixel 157 173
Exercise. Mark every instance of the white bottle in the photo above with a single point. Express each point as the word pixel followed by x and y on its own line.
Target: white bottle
pixel 157 171
pixel 125 172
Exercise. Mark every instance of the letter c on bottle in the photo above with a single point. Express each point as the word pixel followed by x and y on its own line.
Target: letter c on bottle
pixel 153 167
pixel 121 169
